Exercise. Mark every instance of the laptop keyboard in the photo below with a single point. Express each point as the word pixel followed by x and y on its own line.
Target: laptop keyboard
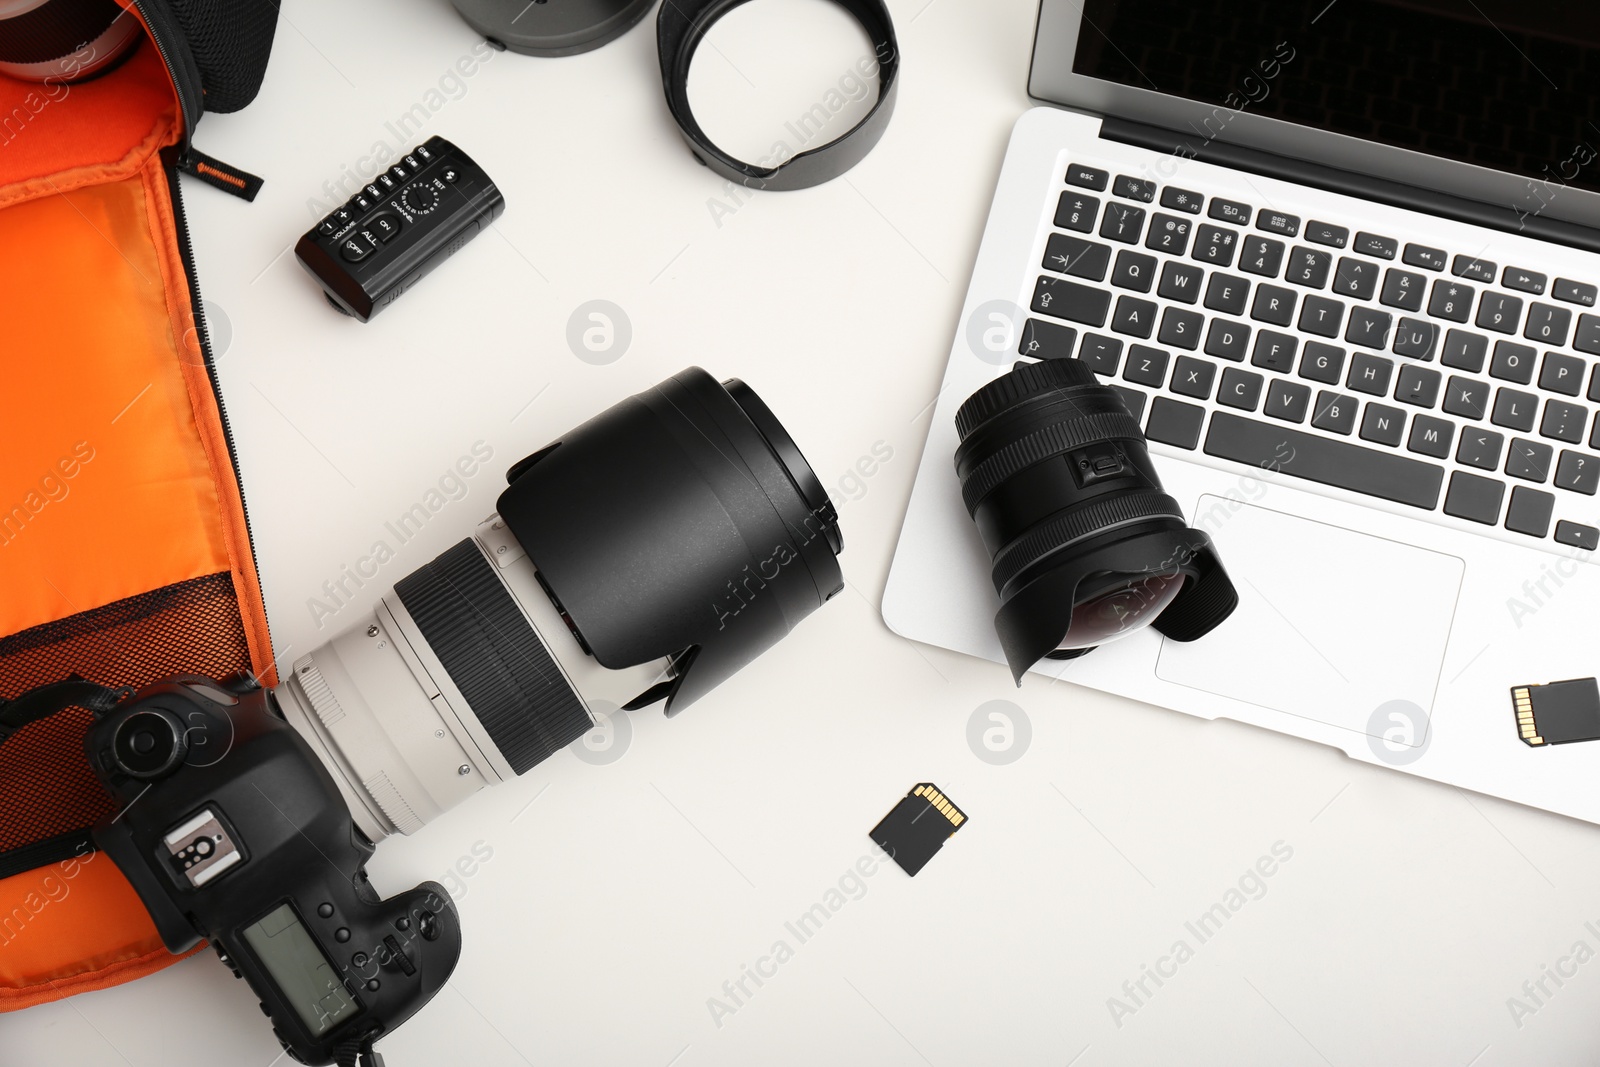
pixel 1422 376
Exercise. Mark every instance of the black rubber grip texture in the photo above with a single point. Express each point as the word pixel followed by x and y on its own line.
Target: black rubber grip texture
pixel 493 656
pixel 1102 513
pixel 1024 380
pixel 1071 432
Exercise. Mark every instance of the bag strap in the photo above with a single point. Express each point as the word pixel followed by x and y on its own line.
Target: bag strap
pixel 43 701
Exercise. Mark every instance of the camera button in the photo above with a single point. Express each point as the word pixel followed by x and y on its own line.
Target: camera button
pixel 325 910
pixel 342 934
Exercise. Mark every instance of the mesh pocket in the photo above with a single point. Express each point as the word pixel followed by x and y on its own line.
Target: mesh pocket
pixel 46 787
pixel 230 41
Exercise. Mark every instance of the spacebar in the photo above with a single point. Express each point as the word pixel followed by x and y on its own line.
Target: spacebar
pixel 1318 459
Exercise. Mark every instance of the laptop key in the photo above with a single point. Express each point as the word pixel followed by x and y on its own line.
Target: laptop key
pixel 1479 270
pixel 1102 354
pixel 1273 304
pixel 1402 289
pixel 1173 422
pixel 1180 281
pixel 1370 374
pixel 1227 339
pixel 1326 461
pixel 1514 410
pixel 1466 398
pixel 1308 267
pixel 1355 277
pixel 1229 211
pixel 1416 338
pixel 1046 340
pixel 1513 362
pixel 1578 472
pixel 1133 399
pixel 1287 400
pixel 1277 222
pixel 1322 363
pixel 1417 385
pixel 1577 535
pixel 1215 245
pixel 1588 336
pixel 1530 511
pixel 1480 448
pixel 1146 366
pixel 1169 233
pixel 1563 421
pixel 1275 351
pixel 1594 384
pixel 1134 316
pixel 1575 292
pixel 1383 424
pixel 1088 177
pixel 1193 377
pixel 1134 188
pixel 1369 328
pixel 1076 212
pixel 1321 316
pixel 1475 498
pixel 1465 351
pixel 1524 281
pixel 1326 233
pixel 1562 374
pixel 1227 294
pixel 1077 257
pixel 1451 300
pixel 1335 412
pixel 1548 324
pixel 1499 312
pixel 1371 244
pixel 1529 460
pixel 1062 299
pixel 1134 270
pixel 1181 328
pixel 1261 255
pixel 1181 200
pixel 1122 222
pixel 1240 389
pixel 1423 256
pixel 1431 436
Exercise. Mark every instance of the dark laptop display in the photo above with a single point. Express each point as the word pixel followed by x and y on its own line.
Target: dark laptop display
pixel 1510 85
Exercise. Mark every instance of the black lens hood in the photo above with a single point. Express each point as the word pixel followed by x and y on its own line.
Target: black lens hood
pixel 682 522
pixel 1038 612
pixel 680 27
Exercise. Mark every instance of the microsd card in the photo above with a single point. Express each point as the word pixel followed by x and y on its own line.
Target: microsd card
pixel 1558 713
pixel 918 827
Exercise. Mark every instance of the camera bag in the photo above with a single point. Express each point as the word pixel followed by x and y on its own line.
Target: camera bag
pixel 125 551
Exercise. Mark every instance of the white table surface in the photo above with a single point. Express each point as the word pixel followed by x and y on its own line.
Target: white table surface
pixel 619 898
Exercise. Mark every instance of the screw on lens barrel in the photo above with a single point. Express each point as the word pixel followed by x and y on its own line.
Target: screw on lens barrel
pixel 1085 544
pixel 149 743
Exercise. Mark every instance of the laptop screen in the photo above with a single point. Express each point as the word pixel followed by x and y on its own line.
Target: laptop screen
pixel 1508 84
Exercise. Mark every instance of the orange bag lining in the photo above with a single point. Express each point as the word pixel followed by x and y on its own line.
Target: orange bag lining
pixel 81 175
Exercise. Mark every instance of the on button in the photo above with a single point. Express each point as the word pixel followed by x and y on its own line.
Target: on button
pixel 386 226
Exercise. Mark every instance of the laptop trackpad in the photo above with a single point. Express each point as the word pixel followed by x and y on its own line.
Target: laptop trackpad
pixel 1331 625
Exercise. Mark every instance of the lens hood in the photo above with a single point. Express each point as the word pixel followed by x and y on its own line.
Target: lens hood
pixel 682 522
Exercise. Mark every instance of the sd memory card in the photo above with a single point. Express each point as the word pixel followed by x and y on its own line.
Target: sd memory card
pixel 1558 713
pixel 918 827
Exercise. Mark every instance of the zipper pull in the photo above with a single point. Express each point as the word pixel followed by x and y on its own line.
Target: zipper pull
pixel 229 179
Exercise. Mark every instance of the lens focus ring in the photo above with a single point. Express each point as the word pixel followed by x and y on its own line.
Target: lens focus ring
pixel 1099 516
pixel 1052 440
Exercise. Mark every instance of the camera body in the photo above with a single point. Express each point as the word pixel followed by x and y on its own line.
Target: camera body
pixel 230 828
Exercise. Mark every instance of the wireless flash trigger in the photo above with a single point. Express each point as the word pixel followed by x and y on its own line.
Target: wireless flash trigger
pixel 558 28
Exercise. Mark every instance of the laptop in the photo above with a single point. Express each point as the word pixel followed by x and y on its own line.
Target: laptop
pixel 1367 230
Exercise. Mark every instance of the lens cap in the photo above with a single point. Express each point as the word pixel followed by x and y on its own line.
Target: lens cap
pixel 556 28
pixel 149 743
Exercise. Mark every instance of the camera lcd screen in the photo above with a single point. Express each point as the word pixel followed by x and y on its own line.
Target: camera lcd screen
pixel 1505 84
pixel 300 970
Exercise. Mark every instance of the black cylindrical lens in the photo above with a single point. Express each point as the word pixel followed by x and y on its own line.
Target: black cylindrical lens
pixel 1086 545
pixel 63 40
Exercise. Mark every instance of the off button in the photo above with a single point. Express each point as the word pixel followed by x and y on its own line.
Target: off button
pixel 356 247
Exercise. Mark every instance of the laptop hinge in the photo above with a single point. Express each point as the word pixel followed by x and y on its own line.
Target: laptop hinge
pixel 1396 194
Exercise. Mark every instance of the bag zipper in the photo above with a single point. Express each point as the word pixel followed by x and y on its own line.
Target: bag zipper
pixel 168 37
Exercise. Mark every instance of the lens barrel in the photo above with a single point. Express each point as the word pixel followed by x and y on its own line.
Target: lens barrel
pixel 1086 545
pixel 63 40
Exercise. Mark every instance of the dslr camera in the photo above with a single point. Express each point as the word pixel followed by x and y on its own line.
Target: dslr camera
pixel 644 557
